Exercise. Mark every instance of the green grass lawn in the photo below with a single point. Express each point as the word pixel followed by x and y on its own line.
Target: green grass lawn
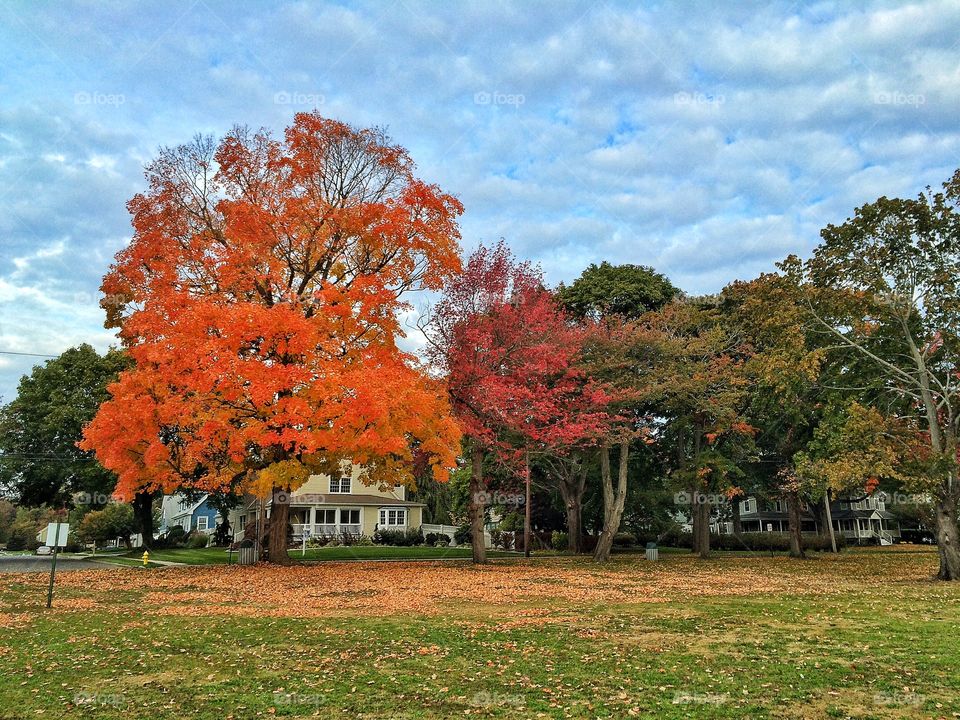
pixel 863 636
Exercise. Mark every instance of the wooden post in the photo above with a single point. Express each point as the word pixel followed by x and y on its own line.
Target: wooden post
pixel 526 524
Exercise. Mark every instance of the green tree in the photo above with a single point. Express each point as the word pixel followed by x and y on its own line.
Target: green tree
pixel 116 520
pixel 39 460
pixel 884 286
pixel 625 290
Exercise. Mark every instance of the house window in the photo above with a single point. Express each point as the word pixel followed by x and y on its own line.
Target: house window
pixel 327 517
pixel 243 521
pixel 202 522
pixel 340 484
pixel 349 517
pixel 393 517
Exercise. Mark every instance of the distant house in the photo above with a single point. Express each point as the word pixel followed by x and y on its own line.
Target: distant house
pixel 337 505
pixel 192 515
pixel 863 521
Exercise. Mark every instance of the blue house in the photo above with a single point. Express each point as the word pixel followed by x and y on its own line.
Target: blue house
pixel 192 515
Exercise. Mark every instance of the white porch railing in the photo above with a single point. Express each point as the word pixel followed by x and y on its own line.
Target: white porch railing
pixel 325 529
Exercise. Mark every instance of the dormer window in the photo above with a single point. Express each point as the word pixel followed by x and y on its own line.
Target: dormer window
pixel 341 484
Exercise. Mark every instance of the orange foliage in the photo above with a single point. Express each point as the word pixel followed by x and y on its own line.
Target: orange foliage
pixel 260 298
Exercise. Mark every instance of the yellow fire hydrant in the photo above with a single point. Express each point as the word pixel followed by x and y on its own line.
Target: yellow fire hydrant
pixel 146 557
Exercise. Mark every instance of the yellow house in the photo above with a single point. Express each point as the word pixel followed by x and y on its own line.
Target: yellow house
pixel 330 506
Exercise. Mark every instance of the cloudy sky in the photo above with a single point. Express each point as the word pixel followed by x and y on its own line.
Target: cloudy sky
pixel 705 140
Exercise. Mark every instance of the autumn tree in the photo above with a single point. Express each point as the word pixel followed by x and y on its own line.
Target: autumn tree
pixel 509 355
pixel 695 380
pixel 259 299
pixel 885 287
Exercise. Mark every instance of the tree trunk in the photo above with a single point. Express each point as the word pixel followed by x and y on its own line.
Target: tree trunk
pixel 612 502
pixel 829 515
pixel 948 536
pixel 737 524
pixel 572 485
pixel 478 506
pixel 701 523
pixel 143 511
pixel 279 519
pixel 793 513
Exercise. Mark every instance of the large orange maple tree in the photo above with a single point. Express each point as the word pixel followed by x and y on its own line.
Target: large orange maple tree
pixel 259 299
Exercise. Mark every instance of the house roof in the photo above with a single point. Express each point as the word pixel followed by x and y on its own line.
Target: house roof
pixel 350 499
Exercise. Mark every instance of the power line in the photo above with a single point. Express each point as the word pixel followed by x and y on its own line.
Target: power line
pixel 11 352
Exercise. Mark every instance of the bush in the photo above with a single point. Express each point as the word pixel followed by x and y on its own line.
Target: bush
pixel 431 539
pixel 754 542
pixel 197 540
pixel 399 538
pixel 175 537
pixel 512 522
pixel 442 541
pixel 559 540
pixel 462 535
pixel 624 539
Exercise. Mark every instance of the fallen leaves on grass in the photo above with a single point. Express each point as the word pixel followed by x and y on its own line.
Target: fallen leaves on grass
pixel 430 588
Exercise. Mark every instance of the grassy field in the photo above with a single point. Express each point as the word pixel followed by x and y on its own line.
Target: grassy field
pixel 217 556
pixel 864 635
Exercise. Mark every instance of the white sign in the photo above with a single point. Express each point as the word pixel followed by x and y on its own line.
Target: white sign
pixel 769 527
pixel 52 536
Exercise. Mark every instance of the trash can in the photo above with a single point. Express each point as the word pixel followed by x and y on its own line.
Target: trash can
pixel 652 552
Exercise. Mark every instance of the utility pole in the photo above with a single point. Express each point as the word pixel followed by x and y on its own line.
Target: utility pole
pixel 526 524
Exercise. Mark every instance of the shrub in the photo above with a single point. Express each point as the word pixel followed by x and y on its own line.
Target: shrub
pixel 364 541
pixel 175 537
pixel 559 540
pixel 431 538
pixel 442 541
pixel 462 535
pixel 624 539
pixel 512 522
pixel 197 540
pixel 399 538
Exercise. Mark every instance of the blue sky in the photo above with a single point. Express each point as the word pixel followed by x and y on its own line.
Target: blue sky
pixel 708 140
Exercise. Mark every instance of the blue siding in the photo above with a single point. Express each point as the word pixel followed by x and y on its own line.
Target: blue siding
pixel 204 510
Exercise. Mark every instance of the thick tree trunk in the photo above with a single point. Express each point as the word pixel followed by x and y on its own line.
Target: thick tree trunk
pixel 478 507
pixel 143 512
pixel 948 536
pixel 793 513
pixel 700 511
pixel 613 502
pixel 572 485
pixel 279 519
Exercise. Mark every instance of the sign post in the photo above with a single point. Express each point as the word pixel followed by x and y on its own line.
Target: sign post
pixel 56 529
pixel 306 534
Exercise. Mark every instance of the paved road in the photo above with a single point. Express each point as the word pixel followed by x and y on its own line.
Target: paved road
pixel 41 563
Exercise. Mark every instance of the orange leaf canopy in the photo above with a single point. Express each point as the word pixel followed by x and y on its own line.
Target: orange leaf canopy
pixel 259 298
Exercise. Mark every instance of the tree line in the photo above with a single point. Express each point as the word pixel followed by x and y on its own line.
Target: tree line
pixel 258 306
